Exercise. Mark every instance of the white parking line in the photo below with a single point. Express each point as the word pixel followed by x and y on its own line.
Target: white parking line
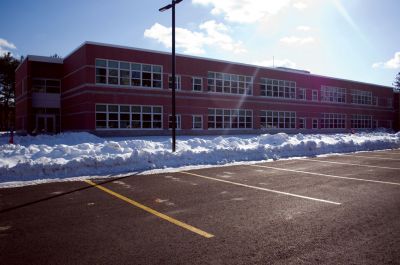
pixel 259 188
pixel 350 164
pixel 373 157
pixel 327 175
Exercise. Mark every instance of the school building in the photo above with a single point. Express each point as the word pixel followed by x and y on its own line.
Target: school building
pixel 115 90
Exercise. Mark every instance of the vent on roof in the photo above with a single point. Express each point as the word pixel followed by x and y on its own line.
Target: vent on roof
pixel 293 70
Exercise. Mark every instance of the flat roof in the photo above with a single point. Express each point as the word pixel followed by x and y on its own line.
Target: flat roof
pixel 278 69
pixel 38 58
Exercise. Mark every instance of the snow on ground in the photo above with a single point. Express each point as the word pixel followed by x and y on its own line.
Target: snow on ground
pixel 46 158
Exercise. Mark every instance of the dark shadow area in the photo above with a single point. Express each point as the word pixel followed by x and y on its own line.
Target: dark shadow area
pixel 62 194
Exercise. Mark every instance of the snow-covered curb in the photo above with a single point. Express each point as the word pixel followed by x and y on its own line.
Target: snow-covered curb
pixel 70 155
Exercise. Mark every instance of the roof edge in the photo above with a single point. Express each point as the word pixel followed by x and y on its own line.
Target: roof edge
pixel 300 72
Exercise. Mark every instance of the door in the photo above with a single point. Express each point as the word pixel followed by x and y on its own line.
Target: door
pixel 45 123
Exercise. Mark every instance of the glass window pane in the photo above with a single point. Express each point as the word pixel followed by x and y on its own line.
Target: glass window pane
pixel 136 67
pixel 101 107
pixel 156 69
pixel 113 64
pixel 124 108
pixel 146 67
pixel 113 108
pixel 101 63
pixel 136 109
pixel 124 65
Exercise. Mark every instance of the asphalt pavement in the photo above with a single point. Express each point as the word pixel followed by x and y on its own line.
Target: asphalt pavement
pixel 338 209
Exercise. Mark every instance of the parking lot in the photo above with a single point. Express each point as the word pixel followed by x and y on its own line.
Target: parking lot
pixel 338 209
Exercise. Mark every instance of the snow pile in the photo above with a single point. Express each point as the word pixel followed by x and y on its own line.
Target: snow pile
pixel 79 154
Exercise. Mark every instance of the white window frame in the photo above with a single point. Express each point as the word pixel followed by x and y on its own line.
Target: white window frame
pixel 333 120
pixel 194 122
pixel 304 121
pixel 131 70
pixel 274 88
pixel 178 82
pixel 46 86
pixel 333 94
pixel 226 83
pixel 274 119
pixel 130 113
pixel 178 121
pixel 389 103
pixel 315 122
pixel 361 121
pixel 229 117
pixel 194 84
pixel 301 94
pixel 314 95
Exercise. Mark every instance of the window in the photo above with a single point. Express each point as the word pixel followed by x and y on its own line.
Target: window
pixel 101 71
pixel 361 121
pixel 333 94
pixel 124 73
pixel 197 84
pixel 390 102
pixel 128 74
pixel 230 119
pixel 112 116
pixel 361 97
pixel 333 121
pixel 177 120
pixel 177 82
pixel 101 116
pixel 315 95
pixel 197 122
pixel 277 88
pixel 277 119
pixel 302 123
pixel 229 83
pixel 51 86
pixel 315 123
pixel 113 72
pixel 301 94
pixel 128 117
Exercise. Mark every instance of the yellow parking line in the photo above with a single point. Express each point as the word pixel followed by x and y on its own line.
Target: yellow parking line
pixel 149 210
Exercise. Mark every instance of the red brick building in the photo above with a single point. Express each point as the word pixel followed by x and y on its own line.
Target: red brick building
pixel 115 90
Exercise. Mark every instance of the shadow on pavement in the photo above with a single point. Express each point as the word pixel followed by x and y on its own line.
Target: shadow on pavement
pixel 62 194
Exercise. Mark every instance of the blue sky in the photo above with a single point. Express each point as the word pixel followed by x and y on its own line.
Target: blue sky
pixel 351 39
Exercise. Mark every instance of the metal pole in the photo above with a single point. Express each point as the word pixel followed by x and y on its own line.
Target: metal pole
pixel 173 79
pixel 172 5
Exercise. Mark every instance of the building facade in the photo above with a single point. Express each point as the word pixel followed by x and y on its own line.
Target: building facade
pixel 115 90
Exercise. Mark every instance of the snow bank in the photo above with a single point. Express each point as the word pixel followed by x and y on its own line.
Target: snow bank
pixel 76 154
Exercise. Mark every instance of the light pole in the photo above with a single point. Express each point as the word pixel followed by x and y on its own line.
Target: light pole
pixel 162 9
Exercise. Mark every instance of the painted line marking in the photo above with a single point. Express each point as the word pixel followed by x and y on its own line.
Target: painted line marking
pixel 259 188
pixel 350 164
pixel 373 157
pixel 149 210
pixel 327 175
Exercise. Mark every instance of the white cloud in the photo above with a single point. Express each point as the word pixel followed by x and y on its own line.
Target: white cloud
pixel 303 28
pixel 5 46
pixel 277 63
pixel 244 11
pixel 300 5
pixel 393 63
pixel 193 42
pixel 293 40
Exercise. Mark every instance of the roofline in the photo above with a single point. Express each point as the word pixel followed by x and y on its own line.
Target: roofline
pixel 213 60
pixel 38 58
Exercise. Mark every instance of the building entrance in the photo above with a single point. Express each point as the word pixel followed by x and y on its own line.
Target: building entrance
pixel 45 123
